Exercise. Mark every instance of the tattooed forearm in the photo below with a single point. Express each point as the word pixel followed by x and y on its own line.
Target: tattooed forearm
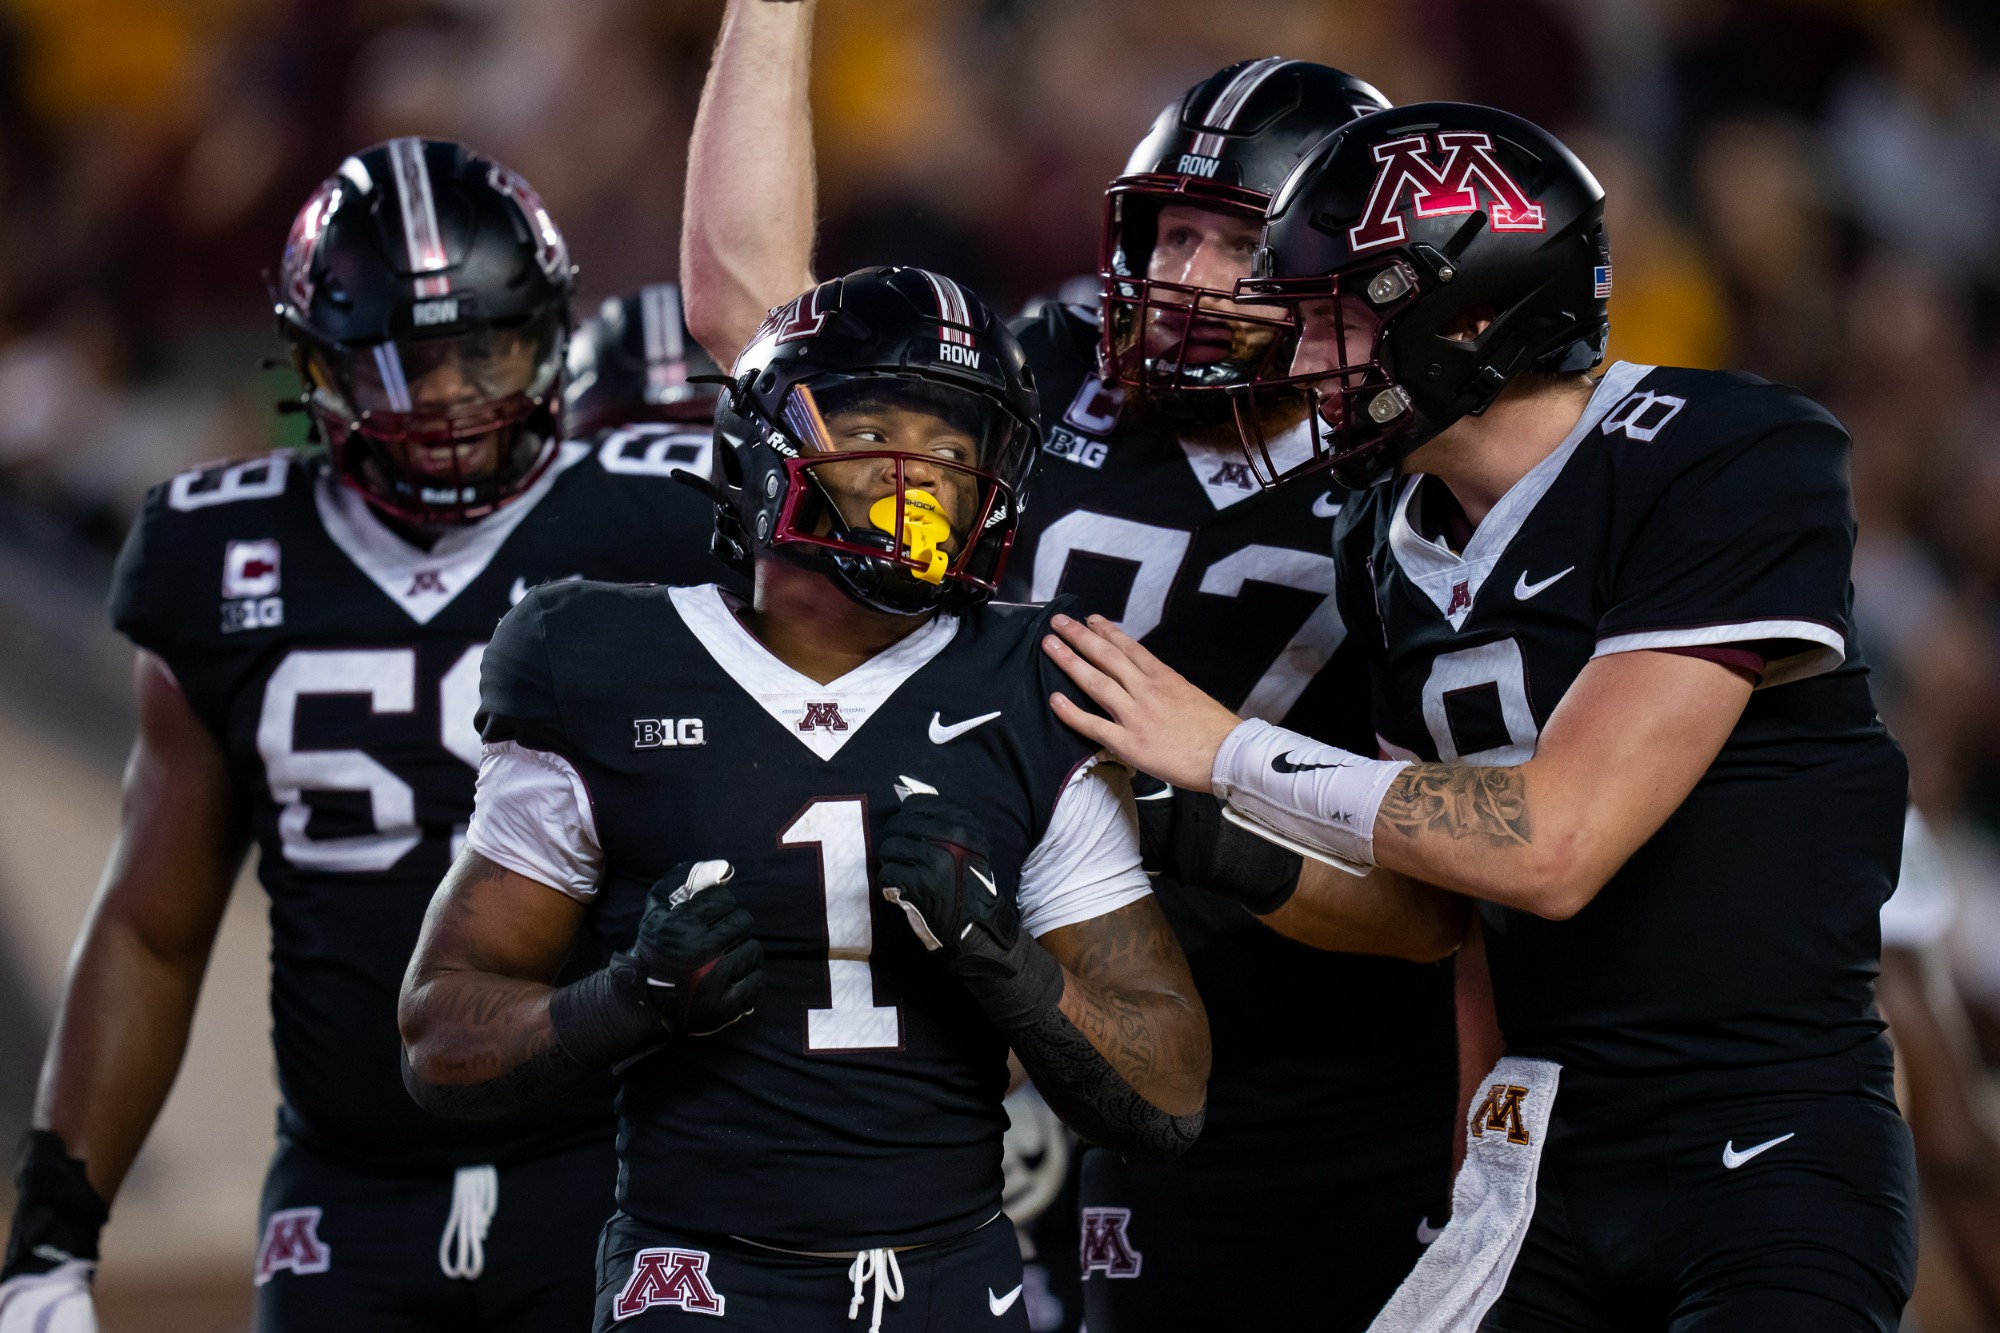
pixel 536 1079
pixel 1459 801
pixel 1091 1096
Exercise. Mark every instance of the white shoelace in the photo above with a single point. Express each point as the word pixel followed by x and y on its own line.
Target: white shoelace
pixel 475 1198
pixel 880 1267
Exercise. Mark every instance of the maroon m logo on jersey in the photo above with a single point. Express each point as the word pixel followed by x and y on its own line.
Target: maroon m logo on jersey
pixel 1469 168
pixel 668 1277
pixel 823 715
pixel 292 1243
pixel 1106 1248
pixel 426 580
pixel 1461 597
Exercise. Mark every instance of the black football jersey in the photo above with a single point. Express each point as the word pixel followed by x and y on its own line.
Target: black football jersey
pixel 339 666
pixel 860 1104
pixel 1687 509
pixel 1233 586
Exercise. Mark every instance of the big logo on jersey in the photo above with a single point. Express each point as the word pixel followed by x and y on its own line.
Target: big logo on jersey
pixel 668 1277
pixel 1106 1248
pixel 1469 170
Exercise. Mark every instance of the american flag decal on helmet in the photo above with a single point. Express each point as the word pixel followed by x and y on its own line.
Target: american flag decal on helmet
pixel 422 239
pixel 1230 101
pixel 954 310
pixel 1601 279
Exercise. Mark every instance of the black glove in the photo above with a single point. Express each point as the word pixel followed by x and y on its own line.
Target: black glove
pixel 692 971
pixel 1183 836
pixel 57 1214
pixel 934 867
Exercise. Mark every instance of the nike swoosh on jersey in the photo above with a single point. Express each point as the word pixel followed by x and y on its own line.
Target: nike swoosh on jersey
pixel 1523 589
pixel 940 733
pixel 1324 507
pixel 1426 1233
pixel 985 879
pixel 1283 763
pixel 1000 1305
pixel 1731 1159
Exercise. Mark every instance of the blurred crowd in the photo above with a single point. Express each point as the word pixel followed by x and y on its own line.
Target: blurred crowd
pixel 1806 189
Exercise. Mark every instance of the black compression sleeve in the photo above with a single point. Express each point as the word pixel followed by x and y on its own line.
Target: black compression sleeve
pixel 1093 1098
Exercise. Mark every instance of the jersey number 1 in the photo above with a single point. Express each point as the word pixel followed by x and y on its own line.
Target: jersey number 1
pixel 838 829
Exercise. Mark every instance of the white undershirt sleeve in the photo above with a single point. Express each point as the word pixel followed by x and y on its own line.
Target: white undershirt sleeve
pixel 531 813
pixel 1087 864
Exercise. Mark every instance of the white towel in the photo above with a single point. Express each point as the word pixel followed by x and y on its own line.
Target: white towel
pixel 1492 1202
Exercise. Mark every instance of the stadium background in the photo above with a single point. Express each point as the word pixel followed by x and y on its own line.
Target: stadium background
pixel 1809 190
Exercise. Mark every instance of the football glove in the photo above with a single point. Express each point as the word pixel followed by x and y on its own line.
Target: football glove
pixel 692 971
pixel 1183 836
pixel 702 970
pixel 935 867
pixel 52 1248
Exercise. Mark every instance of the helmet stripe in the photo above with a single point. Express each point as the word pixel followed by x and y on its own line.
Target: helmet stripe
pixel 953 308
pixel 1229 103
pixel 421 236
pixel 660 322
pixel 390 367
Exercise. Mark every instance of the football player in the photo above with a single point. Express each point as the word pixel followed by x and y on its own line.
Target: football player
pixel 634 361
pixel 309 628
pixel 1144 507
pixel 845 855
pixel 1619 703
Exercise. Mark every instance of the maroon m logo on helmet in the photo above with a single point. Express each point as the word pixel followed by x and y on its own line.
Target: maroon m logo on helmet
pixel 1106 1248
pixel 1454 186
pixel 800 317
pixel 668 1277
pixel 823 715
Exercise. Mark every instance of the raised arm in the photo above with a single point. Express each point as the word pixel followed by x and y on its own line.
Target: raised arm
pixel 1102 1012
pixel 747 237
pixel 126 1008
pixel 486 1033
pixel 1630 739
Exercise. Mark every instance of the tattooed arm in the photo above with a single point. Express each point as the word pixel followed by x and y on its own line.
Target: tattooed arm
pixel 477 1038
pixel 485 1034
pixel 1623 749
pixel 1124 1056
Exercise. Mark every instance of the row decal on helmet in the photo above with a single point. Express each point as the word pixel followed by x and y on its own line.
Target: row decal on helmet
pixel 1229 103
pixel 1469 167
pixel 954 314
pixel 421 237
pixel 389 365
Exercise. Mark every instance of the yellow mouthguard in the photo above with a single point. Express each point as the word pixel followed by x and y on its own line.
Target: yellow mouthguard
pixel 925 530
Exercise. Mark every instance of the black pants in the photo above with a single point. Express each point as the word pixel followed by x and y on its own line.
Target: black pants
pixel 1311 1243
pixel 1776 1201
pixel 651 1277
pixel 346 1247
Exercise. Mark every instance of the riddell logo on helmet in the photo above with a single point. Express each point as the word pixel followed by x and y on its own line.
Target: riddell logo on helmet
pixel 1469 170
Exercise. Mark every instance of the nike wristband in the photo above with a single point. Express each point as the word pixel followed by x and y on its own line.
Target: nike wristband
pixel 1316 799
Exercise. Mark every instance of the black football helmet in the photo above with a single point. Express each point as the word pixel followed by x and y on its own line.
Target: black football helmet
pixel 1399 230
pixel 1225 146
pixel 632 361
pixel 425 295
pixel 880 429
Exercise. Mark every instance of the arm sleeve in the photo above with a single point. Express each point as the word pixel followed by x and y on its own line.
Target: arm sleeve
pixel 1087 864
pixel 532 814
pixel 1752 544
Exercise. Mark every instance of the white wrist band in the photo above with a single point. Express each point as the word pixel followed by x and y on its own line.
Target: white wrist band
pixel 1316 798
